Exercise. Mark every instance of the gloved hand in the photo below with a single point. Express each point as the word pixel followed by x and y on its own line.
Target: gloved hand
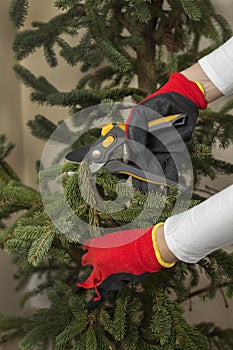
pixel 117 259
pixel 178 95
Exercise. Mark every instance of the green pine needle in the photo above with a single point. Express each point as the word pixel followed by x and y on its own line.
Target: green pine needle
pixel 192 9
pixel 18 12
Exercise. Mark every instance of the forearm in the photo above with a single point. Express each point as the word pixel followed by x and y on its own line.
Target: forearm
pixel 164 250
pixel 196 73
pixel 214 71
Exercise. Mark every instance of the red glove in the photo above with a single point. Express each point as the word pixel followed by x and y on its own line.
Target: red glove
pixel 182 87
pixel 178 96
pixel 118 258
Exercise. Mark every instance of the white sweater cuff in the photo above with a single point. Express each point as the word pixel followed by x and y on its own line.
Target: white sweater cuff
pixel 218 66
pixel 197 232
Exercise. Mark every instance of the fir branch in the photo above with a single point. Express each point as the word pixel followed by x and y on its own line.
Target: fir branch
pixel 119 61
pixel 71 332
pixel 59 256
pixel 98 31
pixel 49 323
pixel 120 315
pixel 41 246
pixel 106 321
pixel 17 246
pixel 5 147
pixel 7 173
pixel 191 9
pixel 12 328
pixel 218 339
pixel 169 316
pixel 84 97
pixel 103 343
pixel 222 166
pixel 50 54
pixel 134 318
pixel 30 80
pixel 27 41
pixel 73 98
pixel 85 51
pixel 67 52
pixel 18 12
pixel 205 290
pixel 9 232
pixel 19 196
pixel 39 290
pixel 84 81
pixel 41 127
pixel 224 26
pixel 140 9
pixel 35 336
pixel 226 109
pixel 91 341
pixel 101 75
pixel 201 151
pixel 65 4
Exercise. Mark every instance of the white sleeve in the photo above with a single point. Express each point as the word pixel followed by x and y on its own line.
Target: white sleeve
pixel 197 232
pixel 218 66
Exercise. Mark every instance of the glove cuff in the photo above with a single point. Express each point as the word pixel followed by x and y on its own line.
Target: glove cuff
pixel 178 83
pixel 156 248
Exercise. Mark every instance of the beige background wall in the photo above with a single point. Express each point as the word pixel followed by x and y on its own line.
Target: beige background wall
pixel 16 109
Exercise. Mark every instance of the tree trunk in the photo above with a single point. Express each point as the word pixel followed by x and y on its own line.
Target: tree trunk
pixel 145 62
pixel 147 77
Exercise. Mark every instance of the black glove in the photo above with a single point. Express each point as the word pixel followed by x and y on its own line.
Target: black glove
pixel 113 282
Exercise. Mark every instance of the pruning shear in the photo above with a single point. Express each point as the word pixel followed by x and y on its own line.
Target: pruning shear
pixel 112 139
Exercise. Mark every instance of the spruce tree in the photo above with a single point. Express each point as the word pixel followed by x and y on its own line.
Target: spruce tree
pixel 116 41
